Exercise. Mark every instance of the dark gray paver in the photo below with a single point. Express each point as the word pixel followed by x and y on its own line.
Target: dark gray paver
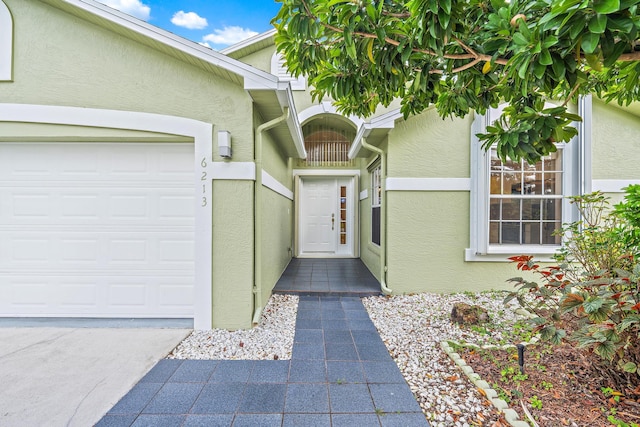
pixel 382 372
pixel 174 398
pixel 308 371
pixel 306 420
pixel 354 420
pixel 350 398
pixel 270 371
pixel 208 421
pixel 232 371
pixel 257 420
pixel 194 371
pixel 159 421
pixel 345 372
pixel 304 351
pixel 263 399
pixel 219 398
pixel 307 398
pixel 308 335
pixel 393 398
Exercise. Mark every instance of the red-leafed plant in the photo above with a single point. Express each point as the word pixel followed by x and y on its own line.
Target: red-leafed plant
pixel 592 295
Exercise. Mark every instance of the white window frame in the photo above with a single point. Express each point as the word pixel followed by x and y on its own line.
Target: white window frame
pixel 6 43
pixel 480 249
pixel 376 194
pixel 280 70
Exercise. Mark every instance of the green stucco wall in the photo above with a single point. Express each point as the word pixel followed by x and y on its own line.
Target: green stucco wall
pixel 277 216
pixel 428 146
pixel 232 262
pixel 615 136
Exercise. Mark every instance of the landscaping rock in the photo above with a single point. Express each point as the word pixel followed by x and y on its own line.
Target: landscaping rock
pixel 465 314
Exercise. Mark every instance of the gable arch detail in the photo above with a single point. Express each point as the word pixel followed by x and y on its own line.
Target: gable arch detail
pixel 6 43
pixel 324 109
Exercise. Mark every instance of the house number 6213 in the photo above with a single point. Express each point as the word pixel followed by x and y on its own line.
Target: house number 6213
pixel 203 163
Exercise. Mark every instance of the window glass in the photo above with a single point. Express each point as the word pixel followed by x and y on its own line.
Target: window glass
pixel 525 201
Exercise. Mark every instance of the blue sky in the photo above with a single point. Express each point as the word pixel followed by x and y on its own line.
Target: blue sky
pixel 215 23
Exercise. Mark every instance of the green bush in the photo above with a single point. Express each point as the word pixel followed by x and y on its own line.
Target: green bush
pixel 592 295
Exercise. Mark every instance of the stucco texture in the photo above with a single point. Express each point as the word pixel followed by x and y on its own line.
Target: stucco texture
pixel 615 136
pixel 428 146
pixel 426 236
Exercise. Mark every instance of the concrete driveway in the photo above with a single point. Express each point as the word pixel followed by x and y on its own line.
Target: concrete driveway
pixel 73 376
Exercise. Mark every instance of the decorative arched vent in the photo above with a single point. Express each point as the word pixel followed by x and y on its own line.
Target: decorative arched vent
pixel 6 43
pixel 279 69
pixel 327 146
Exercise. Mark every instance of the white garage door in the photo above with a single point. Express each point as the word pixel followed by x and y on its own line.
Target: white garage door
pixel 96 229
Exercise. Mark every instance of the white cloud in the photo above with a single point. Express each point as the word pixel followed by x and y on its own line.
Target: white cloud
pixel 229 35
pixel 205 44
pixel 131 7
pixel 189 20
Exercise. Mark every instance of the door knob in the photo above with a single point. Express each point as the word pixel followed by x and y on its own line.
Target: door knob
pixel 333 220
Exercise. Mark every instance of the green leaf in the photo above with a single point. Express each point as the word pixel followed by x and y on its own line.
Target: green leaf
pixel 519 39
pixel 598 24
pixel 545 57
pixel 606 6
pixel 630 367
pixel 590 42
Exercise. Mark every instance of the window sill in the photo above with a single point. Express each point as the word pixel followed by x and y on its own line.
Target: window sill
pixel 470 254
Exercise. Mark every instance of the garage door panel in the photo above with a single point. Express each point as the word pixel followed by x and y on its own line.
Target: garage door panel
pixel 67 249
pixel 97 229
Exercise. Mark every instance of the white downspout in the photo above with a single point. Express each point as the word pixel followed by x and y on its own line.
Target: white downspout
pixel 257 207
pixel 383 214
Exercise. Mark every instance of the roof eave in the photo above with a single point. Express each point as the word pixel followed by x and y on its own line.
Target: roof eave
pixel 384 122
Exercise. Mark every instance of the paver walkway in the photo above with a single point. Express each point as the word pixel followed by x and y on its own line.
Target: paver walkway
pixel 327 276
pixel 340 374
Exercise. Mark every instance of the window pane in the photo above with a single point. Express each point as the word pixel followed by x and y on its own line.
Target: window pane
pixel 531 209
pixel 532 183
pixel 551 209
pixel 511 233
pixel 553 183
pixel 494 232
pixel 531 233
pixel 512 183
pixel 548 237
pixel 510 209
pixel 375 225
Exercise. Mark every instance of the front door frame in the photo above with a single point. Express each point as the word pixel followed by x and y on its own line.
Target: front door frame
pixel 353 174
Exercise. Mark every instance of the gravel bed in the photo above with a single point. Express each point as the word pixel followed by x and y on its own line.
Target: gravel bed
pixel 271 339
pixel 412 327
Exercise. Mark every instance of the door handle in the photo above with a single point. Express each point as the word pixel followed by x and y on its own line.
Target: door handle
pixel 333 220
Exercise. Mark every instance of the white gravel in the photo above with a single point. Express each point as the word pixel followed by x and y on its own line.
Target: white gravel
pixel 271 339
pixel 411 326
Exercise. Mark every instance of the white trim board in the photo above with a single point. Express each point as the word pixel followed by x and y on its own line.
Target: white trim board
pixel 612 185
pixel 364 194
pixel 201 132
pixel 428 184
pixel 273 184
pixel 245 171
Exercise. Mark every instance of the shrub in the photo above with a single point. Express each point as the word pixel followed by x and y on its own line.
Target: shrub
pixel 592 296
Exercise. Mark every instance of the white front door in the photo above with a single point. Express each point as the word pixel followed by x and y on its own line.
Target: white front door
pixel 326 217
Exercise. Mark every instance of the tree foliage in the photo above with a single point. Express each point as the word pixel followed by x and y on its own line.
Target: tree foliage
pixel 463 55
